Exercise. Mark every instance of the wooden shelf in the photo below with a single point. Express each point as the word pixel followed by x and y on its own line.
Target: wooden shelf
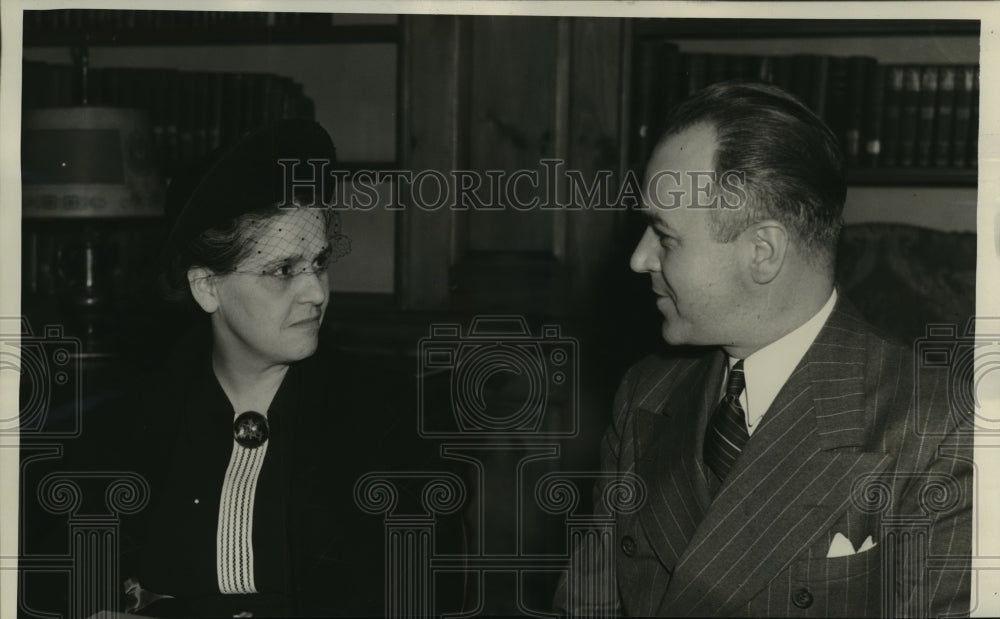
pixel 905 177
pixel 358 166
pixel 728 28
pixel 913 177
pixel 802 31
pixel 228 34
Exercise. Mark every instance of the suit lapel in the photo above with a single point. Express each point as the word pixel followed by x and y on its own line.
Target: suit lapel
pixel 668 437
pixel 791 482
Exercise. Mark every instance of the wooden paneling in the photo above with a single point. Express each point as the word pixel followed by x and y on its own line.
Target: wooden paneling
pixel 594 146
pixel 431 68
pixel 514 91
pixel 512 125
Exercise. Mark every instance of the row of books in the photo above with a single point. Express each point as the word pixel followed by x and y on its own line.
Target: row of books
pixel 192 113
pixel 88 18
pixel 886 115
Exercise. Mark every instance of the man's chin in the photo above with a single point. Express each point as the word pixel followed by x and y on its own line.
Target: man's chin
pixel 672 334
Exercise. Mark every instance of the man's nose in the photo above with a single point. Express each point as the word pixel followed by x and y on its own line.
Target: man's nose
pixel 645 257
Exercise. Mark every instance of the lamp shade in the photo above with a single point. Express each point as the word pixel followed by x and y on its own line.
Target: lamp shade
pixel 89 162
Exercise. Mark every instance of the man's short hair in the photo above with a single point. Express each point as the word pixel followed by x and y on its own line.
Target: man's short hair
pixel 792 162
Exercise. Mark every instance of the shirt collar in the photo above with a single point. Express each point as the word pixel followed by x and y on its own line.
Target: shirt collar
pixel 767 370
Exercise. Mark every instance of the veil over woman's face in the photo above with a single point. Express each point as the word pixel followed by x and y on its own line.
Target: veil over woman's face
pixel 271 306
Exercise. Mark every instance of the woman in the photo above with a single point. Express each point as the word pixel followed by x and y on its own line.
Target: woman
pixel 250 439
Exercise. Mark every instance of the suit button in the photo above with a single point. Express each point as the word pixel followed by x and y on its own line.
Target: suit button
pixel 628 546
pixel 802 598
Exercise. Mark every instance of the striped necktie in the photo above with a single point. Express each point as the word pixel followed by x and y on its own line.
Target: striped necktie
pixel 727 429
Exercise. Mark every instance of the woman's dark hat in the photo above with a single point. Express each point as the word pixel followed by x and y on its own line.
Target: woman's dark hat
pixel 250 175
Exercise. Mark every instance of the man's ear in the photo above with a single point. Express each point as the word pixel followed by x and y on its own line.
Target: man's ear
pixel 203 288
pixel 770 245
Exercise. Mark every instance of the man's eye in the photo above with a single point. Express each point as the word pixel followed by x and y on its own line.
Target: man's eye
pixel 665 239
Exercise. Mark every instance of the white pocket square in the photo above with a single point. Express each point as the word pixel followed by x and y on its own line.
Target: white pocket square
pixel 842 547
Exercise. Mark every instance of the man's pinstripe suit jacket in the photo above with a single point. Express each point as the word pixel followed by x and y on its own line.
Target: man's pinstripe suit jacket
pixel 854 443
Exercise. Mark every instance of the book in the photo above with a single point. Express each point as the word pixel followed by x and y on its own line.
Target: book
pixel 856 100
pixel 694 72
pixel 927 107
pixel 34 75
pixel 835 108
pixel 655 91
pixel 944 117
pixel 761 69
pixel 972 150
pixel 892 115
pixel 909 116
pixel 810 75
pixel 740 67
pixel 232 103
pixel 717 68
pixel 872 131
pixel 187 116
pixel 782 72
pixel 216 92
pixel 964 78
pixel 200 123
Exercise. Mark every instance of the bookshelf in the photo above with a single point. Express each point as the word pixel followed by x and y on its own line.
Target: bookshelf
pixel 148 27
pixel 695 28
pixel 234 34
pixel 318 53
pixel 189 60
pixel 891 89
pixel 267 64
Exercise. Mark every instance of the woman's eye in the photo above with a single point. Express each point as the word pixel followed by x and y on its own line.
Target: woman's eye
pixel 282 270
pixel 320 265
pixel 322 262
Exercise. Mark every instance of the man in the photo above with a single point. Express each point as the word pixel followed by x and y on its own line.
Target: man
pixel 787 462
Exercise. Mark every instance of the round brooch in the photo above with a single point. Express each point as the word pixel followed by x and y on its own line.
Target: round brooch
pixel 251 430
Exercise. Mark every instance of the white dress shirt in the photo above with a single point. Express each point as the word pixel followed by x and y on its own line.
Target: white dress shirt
pixel 767 370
